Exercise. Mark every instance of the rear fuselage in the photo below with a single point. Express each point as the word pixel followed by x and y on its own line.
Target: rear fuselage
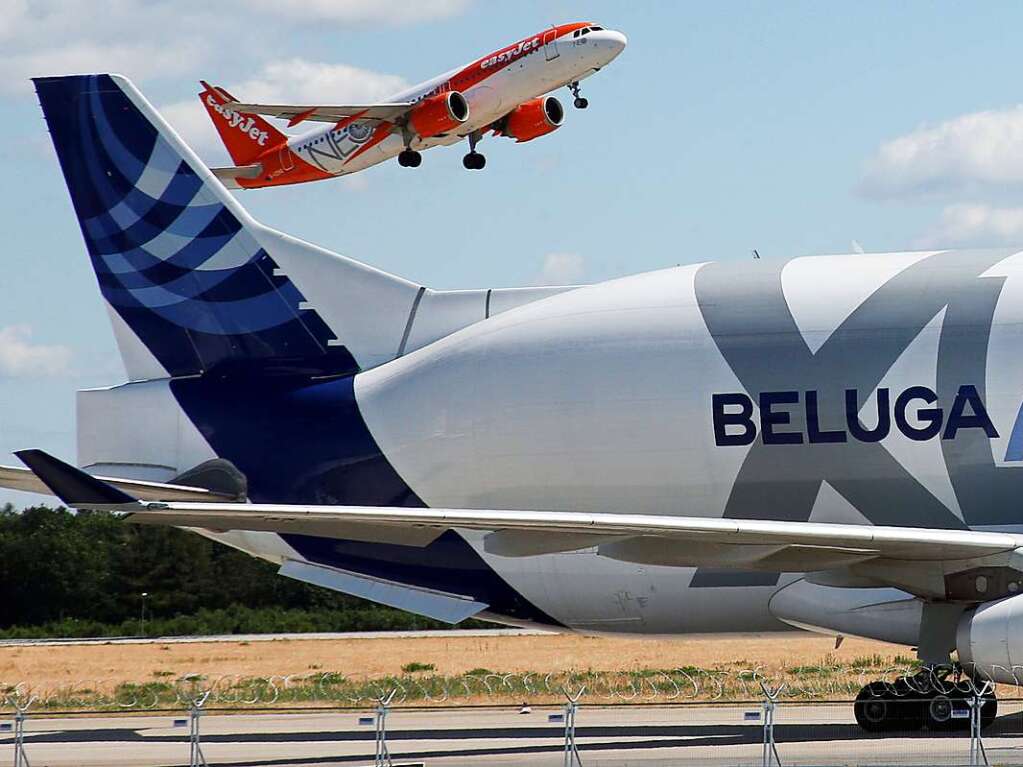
pixel 834 389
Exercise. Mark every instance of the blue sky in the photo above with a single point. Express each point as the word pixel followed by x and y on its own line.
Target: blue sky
pixel 790 127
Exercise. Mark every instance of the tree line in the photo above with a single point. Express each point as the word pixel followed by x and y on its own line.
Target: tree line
pixel 82 574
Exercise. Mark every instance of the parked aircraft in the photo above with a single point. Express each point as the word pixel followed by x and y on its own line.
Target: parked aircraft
pixel 832 443
pixel 502 92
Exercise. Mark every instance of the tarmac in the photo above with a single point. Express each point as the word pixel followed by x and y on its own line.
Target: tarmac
pixel 817 734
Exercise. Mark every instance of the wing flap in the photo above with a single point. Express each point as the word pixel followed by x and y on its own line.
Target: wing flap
pixel 450 608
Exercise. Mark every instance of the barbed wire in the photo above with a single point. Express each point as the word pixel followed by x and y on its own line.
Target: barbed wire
pixel 808 683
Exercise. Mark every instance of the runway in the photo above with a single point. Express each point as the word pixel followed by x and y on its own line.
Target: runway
pixel 250 638
pixel 623 735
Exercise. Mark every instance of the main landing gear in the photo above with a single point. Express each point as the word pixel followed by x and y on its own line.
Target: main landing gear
pixel 580 102
pixel 474 160
pixel 409 158
pixel 933 698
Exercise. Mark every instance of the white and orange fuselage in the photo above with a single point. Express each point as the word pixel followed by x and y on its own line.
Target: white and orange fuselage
pixel 502 90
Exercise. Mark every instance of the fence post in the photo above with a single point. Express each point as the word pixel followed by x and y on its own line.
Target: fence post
pixel 20 705
pixel 196 758
pixel 572 758
pixel 770 751
pixel 383 754
pixel 978 756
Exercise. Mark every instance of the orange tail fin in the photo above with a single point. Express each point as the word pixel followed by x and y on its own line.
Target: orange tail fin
pixel 246 136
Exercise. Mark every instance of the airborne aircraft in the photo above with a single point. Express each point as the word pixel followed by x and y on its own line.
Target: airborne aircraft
pixel 832 443
pixel 502 92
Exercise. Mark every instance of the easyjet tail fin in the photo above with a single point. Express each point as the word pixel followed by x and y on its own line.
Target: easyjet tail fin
pixel 246 136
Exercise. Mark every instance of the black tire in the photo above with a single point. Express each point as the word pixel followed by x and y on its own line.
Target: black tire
pixel 872 708
pixel 415 159
pixel 940 710
pixel 581 103
pixel 481 162
pixel 467 162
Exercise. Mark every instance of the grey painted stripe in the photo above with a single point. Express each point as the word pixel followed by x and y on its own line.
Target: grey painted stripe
pixel 411 318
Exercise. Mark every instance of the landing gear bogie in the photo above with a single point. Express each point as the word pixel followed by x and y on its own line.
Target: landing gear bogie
pixel 921 701
pixel 580 102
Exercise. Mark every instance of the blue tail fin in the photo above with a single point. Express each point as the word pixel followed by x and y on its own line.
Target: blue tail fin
pixel 177 259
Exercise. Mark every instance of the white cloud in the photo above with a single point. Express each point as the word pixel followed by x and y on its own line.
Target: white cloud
pixel 19 357
pixel 975 225
pixel 972 152
pixel 362 11
pixel 295 80
pixel 561 269
pixel 139 61
pixel 147 40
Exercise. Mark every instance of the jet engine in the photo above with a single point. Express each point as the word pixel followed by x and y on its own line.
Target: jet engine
pixel 989 640
pixel 438 114
pixel 532 119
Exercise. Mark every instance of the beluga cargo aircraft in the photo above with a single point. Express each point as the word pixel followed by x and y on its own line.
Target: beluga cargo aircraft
pixel 832 443
pixel 503 92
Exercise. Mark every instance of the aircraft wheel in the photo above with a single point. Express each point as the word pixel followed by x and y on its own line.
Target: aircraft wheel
pixel 474 161
pixel 409 158
pixel 887 707
pixel 581 103
pixel 872 707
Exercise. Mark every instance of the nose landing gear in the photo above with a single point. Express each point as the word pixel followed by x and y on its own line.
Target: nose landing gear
pixel 928 699
pixel 579 102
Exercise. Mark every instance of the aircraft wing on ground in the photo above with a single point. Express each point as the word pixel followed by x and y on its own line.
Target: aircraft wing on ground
pixel 927 562
pixel 296 113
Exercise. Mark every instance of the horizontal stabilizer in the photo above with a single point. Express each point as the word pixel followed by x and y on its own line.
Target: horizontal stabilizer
pixel 231 172
pixel 72 485
pixel 25 480
pixel 450 608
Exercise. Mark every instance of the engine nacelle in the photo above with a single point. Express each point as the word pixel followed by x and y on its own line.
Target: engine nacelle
pixel 989 640
pixel 439 114
pixel 532 119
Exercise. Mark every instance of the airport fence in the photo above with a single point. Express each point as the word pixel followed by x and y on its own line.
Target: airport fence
pixel 741 718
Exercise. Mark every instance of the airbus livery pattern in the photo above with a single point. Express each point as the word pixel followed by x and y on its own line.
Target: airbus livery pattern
pixel 585 436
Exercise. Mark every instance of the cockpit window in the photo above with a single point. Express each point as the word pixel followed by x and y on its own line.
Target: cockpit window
pixel 576 33
pixel 585 31
pixel 597 29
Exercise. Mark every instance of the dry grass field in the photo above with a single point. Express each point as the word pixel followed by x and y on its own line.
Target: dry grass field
pixel 790 656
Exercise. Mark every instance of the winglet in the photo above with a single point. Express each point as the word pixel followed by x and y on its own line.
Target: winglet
pixel 72 485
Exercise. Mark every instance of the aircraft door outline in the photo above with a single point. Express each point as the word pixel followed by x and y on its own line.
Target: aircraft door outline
pixel 550 43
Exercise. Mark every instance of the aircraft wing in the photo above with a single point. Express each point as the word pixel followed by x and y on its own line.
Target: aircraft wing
pixel 919 560
pixel 296 113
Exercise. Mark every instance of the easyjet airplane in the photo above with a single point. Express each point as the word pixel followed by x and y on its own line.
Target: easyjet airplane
pixel 502 92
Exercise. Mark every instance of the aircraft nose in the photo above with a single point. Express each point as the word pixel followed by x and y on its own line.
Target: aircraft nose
pixel 610 43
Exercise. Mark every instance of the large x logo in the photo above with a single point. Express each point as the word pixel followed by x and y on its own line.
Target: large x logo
pixel 750 321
